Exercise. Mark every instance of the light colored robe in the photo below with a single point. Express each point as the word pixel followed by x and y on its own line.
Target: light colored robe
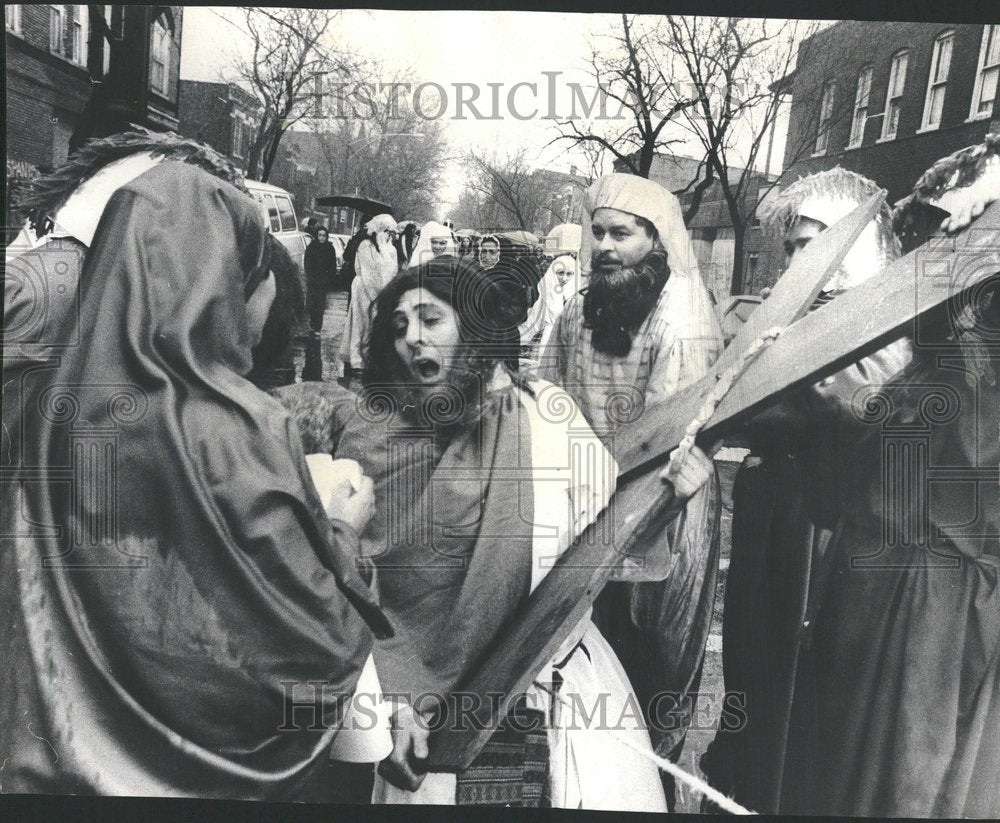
pixel 375 268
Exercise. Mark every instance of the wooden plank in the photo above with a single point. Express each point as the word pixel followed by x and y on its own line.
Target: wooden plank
pixel 562 598
pixel 857 323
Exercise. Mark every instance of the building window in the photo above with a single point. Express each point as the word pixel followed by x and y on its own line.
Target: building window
pixel 938 80
pixel 159 76
pixel 894 95
pixel 237 137
pixel 57 29
pixel 825 116
pixel 12 17
pixel 861 98
pixel 752 261
pixel 79 30
pixel 989 69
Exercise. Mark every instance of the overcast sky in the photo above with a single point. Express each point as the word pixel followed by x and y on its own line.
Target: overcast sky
pixel 447 47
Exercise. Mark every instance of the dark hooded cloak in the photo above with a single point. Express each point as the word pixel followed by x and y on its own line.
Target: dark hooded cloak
pixel 168 571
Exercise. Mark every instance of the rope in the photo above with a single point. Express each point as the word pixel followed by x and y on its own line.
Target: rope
pixel 692 781
pixel 722 386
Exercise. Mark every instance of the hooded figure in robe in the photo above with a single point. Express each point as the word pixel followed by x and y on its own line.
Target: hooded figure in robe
pixel 171 583
pixel 375 264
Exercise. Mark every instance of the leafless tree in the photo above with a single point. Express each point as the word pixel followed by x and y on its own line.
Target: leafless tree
pixel 510 194
pixel 505 192
pixel 374 142
pixel 628 74
pixel 284 66
pixel 738 67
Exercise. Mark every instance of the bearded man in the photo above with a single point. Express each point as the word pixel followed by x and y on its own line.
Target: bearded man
pixel 643 329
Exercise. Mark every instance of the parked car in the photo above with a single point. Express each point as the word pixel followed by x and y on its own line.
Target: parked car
pixel 279 216
pixel 733 312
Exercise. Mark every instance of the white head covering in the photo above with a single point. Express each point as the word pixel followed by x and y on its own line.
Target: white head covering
pixel 566 237
pixel 828 197
pixel 423 252
pixel 379 223
pixel 649 200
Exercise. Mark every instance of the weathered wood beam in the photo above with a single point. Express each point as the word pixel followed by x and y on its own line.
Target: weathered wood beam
pixel 641 503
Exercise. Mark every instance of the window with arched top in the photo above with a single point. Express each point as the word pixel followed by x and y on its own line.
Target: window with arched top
pixel 937 80
pixel 894 94
pixel 862 98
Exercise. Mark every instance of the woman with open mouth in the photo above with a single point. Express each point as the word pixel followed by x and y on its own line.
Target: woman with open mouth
pixel 482 478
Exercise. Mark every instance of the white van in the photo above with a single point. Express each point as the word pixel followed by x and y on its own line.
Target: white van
pixel 279 217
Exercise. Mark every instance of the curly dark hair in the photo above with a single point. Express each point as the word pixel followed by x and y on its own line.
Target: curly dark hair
pixel 487 328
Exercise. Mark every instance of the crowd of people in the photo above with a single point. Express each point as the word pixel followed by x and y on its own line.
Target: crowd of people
pixel 205 586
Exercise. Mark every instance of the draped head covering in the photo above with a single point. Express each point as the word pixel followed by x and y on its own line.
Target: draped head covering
pixel 827 197
pixel 161 600
pixel 423 252
pixel 380 223
pixel 649 200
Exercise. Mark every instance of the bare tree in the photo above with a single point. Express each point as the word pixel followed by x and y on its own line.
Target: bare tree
pixel 374 142
pixel 283 68
pixel 510 193
pixel 630 75
pixel 738 67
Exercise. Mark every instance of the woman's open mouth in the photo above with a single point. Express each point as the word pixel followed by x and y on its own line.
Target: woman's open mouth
pixel 427 369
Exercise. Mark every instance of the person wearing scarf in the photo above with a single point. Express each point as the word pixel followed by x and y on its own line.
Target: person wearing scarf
pixel 375 264
pixel 642 329
pixel 320 264
pixel 435 240
pixel 899 712
pixel 559 283
pixel 168 571
pixel 786 504
pixel 479 487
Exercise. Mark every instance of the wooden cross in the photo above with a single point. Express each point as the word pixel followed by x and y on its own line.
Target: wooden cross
pixel 814 345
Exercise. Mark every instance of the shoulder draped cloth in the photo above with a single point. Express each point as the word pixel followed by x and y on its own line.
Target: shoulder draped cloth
pixel 452 538
pixel 168 571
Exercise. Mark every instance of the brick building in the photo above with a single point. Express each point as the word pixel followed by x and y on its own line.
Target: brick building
pixel 220 114
pixel 119 63
pixel 901 96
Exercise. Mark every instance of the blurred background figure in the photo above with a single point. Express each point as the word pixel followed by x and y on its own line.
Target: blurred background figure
pixel 436 239
pixel 375 264
pixel 407 234
pixel 489 251
pixel 320 263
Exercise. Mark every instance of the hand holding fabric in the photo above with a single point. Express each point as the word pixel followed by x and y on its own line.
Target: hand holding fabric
pixel 346 493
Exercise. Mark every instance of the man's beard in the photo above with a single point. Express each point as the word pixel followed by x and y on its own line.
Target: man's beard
pixel 616 303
